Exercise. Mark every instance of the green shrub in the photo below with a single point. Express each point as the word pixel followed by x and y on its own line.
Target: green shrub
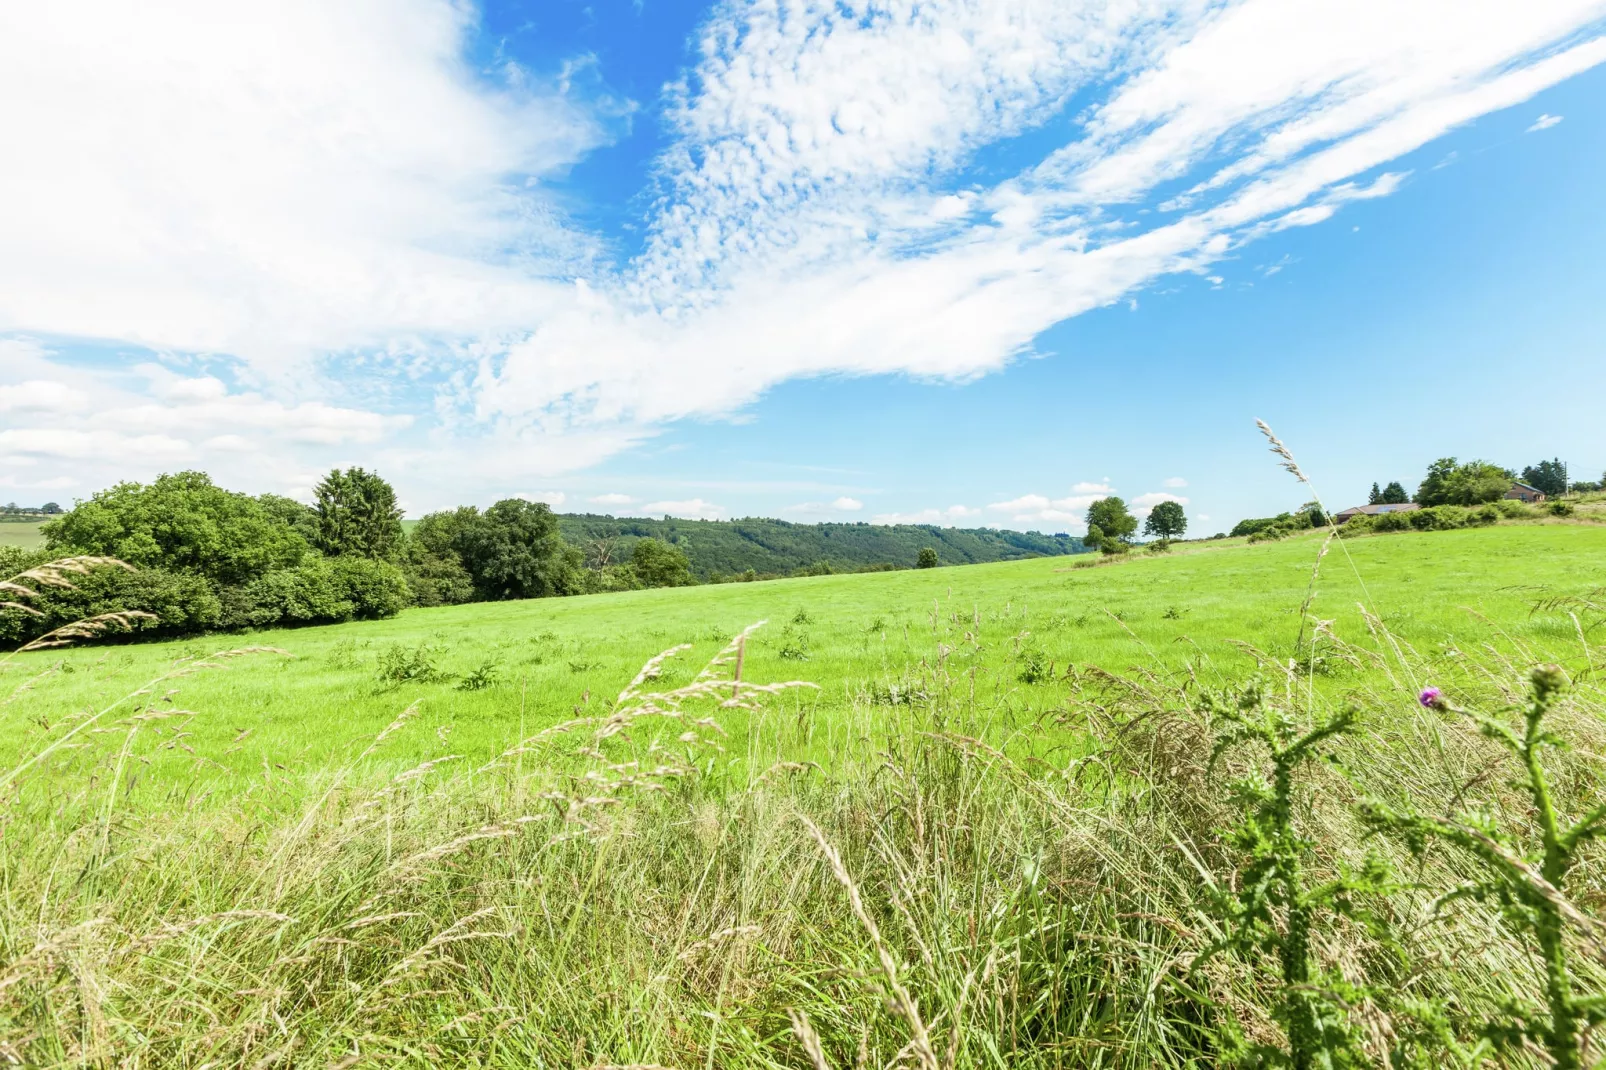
pixel 182 603
pixel 436 579
pixel 1392 522
pixel 375 589
pixel 1560 509
pixel 400 665
pixel 306 594
pixel 1439 518
pixel 1485 514
pixel 1512 509
pixel 1359 524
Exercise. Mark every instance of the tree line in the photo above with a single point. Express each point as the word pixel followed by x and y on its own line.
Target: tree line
pixel 1447 482
pixel 200 557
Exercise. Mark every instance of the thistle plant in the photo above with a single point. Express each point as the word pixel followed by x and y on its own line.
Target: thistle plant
pixel 1276 908
pixel 1527 880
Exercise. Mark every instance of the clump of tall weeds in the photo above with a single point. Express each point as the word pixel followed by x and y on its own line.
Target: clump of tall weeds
pixel 1526 876
pixel 1276 907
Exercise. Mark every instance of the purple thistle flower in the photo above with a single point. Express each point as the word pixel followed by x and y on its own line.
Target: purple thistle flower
pixel 1431 698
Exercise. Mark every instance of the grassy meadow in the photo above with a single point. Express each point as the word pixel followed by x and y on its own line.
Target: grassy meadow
pixel 944 818
pixel 25 534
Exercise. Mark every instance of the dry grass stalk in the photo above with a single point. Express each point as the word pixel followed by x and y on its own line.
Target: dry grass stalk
pixel 806 1036
pixel 920 1040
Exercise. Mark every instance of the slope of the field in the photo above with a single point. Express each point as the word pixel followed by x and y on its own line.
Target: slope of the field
pixel 1198 609
pixel 24 534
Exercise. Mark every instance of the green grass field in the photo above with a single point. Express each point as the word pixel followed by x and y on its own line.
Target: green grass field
pixel 849 634
pixel 284 857
pixel 25 535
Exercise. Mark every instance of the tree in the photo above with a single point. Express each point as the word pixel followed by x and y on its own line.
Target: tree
pixel 658 564
pixel 358 515
pixel 1376 497
pixel 432 562
pixel 302 519
pixel 1166 520
pixel 1473 483
pixel 514 550
pixel 180 523
pixel 1394 494
pixel 50 509
pixel 1548 476
pixel 927 558
pixel 1115 524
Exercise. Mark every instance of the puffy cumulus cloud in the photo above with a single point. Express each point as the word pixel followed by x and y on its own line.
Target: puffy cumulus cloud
pixel 1143 504
pixel 843 504
pixel 41 396
pixel 82 445
pixel 553 498
pixel 1069 512
pixel 952 515
pixel 325 192
pixel 689 509
pixel 611 499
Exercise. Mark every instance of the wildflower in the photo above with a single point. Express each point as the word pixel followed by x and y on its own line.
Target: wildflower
pixel 1432 698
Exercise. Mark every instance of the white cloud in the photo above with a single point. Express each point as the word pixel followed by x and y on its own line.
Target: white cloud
pixel 42 396
pixel 950 516
pixel 611 499
pixel 228 444
pixel 1156 497
pixel 1174 482
pixel 690 509
pixel 69 444
pixel 364 221
pixel 554 498
pixel 840 505
pixel 1201 516
pixel 1101 487
pixel 1544 122
pixel 1143 504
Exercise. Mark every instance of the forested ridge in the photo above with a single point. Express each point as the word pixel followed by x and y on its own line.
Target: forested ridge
pixel 182 555
pixel 728 548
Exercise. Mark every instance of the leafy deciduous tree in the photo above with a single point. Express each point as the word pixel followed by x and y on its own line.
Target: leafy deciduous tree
pixel 180 523
pixel 1167 520
pixel 1115 524
pixel 1450 483
pixel 658 564
pixel 927 558
pixel 514 550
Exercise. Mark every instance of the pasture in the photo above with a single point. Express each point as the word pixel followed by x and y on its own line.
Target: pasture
pixel 21 533
pixel 986 835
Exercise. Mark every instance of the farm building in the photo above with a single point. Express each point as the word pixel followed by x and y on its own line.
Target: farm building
pixel 1522 492
pixel 1374 510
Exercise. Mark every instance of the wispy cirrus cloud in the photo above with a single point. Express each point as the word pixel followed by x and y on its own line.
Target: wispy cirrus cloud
pixel 364 226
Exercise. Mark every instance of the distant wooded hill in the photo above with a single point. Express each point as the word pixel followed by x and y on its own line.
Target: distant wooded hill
pixel 723 548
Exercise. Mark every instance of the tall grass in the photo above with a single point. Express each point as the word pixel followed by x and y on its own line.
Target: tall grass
pixel 1148 873
pixel 621 889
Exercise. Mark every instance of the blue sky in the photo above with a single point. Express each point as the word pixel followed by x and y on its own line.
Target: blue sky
pixel 960 262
